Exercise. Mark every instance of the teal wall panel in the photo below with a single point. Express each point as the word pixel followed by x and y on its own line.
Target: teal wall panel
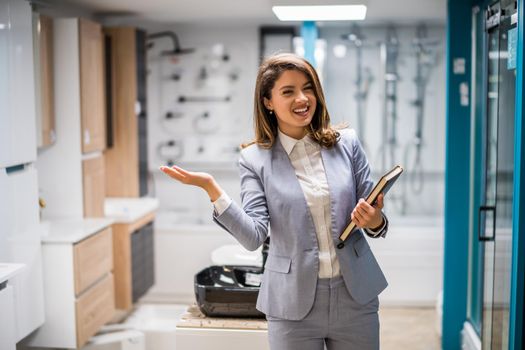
pixel 309 34
pixel 455 284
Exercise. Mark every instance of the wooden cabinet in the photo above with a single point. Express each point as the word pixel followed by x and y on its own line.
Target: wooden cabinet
pixel 78 282
pixel 94 186
pixel 94 308
pixel 92 96
pixel 129 287
pixel 124 162
pixel 92 258
pixel 78 189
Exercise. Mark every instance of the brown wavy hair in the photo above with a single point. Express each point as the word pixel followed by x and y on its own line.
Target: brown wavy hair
pixel 265 124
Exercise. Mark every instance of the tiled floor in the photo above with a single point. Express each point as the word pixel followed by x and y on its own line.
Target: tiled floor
pixel 408 329
pixel 402 328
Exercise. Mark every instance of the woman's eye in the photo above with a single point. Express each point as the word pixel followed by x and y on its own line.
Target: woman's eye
pixel 309 87
pixel 287 92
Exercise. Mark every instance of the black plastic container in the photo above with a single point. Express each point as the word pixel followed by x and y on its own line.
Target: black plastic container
pixel 228 291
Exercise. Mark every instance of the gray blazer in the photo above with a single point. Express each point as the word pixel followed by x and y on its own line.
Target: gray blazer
pixel 272 196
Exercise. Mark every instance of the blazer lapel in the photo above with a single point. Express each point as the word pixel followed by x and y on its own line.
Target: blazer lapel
pixel 283 173
pixel 340 193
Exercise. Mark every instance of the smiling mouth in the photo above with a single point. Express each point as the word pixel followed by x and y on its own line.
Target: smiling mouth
pixel 303 112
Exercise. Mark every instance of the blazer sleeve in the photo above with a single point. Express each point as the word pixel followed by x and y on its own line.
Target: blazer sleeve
pixel 363 180
pixel 249 224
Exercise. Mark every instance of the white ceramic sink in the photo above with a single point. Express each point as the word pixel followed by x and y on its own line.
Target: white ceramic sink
pixel 129 209
pixel 236 254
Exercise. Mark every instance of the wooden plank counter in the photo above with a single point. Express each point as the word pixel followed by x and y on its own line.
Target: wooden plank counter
pixel 194 318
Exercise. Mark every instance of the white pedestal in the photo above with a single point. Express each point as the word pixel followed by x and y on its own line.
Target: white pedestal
pixel 221 339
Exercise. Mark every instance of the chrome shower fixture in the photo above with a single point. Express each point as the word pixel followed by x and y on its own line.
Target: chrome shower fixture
pixel 363 80
pixel 389 61
pixel 177 50
pixel 205 124
pixel 388 150
pixel 425 50
pixel 170 151
pixel 184 99
pixel 173 115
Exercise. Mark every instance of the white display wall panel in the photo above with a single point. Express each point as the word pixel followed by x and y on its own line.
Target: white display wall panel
pixel 339 84
pixel 17 86
pixel 228 123
pixel 340 74
pixel 200 104
pixel 20 243
pixel 60 165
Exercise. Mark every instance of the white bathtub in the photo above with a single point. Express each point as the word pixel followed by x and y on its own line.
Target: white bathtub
pixel 411 257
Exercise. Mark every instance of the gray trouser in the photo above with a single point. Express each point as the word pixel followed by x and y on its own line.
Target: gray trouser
pixel 335 319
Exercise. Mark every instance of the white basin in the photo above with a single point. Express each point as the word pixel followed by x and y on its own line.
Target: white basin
pixel 236 254
pixel 127 210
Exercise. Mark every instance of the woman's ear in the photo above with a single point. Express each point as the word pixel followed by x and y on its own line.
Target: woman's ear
pixel 267 103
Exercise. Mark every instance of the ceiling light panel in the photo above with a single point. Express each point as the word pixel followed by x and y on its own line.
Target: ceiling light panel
pixel 320 13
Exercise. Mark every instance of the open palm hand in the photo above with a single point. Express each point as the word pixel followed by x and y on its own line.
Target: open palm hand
pixel 194 178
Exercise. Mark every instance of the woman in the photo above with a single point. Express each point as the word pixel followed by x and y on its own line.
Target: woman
pixel 304 179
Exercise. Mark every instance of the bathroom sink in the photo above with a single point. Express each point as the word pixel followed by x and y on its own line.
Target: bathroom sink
pixel 228 291
pixel 236 254
pixel 125 210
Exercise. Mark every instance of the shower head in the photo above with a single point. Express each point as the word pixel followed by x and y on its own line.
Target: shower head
pixel 355 36
pixel 177 50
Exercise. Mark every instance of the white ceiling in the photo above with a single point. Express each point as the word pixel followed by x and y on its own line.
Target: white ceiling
pixel 252 11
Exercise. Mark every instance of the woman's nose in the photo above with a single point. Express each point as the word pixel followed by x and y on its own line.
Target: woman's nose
pixel 301 97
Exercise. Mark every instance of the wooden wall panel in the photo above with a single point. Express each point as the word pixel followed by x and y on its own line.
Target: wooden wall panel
pixel 122 160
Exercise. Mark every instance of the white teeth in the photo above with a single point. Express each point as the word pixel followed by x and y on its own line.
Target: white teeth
pixel 301 110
